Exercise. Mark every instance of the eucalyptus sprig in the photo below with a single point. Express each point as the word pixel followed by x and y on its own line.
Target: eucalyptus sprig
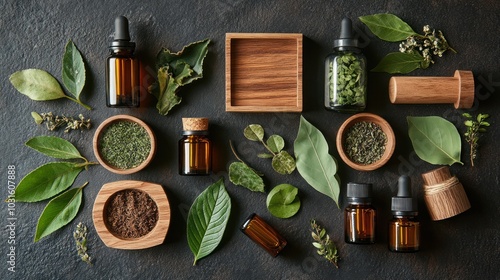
pixel 282 161
pixel 324 245
pixel 475 126
pixel 416 50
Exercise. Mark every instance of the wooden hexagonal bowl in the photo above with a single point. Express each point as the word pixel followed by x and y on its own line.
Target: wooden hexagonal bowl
pixel 102 127
pixel 386 128
pixel 155 237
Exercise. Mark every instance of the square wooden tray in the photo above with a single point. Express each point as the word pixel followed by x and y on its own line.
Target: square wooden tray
pixel 263 72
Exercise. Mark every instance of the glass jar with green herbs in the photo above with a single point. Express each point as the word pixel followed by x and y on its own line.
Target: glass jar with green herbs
pixel 345 74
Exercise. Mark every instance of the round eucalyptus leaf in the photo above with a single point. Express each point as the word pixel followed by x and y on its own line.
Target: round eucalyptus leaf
pixel 276 143
pixel 283 201
pixel 283 163
pixel 254 132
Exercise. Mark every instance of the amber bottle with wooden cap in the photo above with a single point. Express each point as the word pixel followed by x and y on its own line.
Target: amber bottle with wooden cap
pixel 404 228
pixel 359 215
pixel 263 234
pixel 195 148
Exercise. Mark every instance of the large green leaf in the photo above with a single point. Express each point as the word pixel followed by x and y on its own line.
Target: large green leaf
pixel 435 139
pixel 37 84
pixel 283 201
pixel 241 174
pixel 59 212
pixel 73 70
pixel 47 181
pixel 398 62
pixel 54 147
pixel 314 162
pixel 176 70
pixel 388 27
pixel 207 220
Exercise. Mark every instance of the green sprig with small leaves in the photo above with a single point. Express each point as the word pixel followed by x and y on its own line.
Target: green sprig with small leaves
pixel 282 161
pixel 324 245
pixel 475 126
pixel 80 236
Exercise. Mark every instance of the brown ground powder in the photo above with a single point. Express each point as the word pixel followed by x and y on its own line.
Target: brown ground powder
pixel 131 214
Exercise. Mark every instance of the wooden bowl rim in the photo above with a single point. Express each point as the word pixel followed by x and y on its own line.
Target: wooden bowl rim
pixel 116 118
pixel 386 127
pixel 155 237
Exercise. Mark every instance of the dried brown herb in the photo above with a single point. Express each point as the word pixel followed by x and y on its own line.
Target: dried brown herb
pixel 131 213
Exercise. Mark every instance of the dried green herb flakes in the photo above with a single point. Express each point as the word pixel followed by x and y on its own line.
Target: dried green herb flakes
pixel 125 144
pixel 365 142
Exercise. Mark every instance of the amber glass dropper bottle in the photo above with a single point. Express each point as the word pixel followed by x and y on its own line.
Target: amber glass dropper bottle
pixel 404 228
pixel 122 69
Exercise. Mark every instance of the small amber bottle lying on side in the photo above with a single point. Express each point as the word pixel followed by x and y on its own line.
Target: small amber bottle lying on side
pixel 263 234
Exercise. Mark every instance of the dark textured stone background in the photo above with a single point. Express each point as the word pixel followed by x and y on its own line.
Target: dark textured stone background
pixel 33 35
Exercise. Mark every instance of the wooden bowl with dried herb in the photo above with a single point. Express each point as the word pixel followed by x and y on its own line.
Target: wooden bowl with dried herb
pixel 365 141
pixel 131 214
pixel 124 144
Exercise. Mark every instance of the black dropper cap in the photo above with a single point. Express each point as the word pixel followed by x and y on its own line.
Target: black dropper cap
pixel 346 39
pixel 122 35
pixel 403 203
pixel 359 193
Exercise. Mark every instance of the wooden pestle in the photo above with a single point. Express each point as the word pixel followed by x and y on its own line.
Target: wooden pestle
pixel 458 90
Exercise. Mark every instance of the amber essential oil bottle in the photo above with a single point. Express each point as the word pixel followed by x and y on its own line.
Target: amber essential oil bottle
pixel 404 228
pixel 195 148
pixel 122 69
pixel 359 215
pixel 263 234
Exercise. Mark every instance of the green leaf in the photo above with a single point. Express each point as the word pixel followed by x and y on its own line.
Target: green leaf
pixel 254 132
pixel 176 70
pixel 73 70
pixel 435 139
pixel 264 155
pixel 38 119
pixel 37 84
pixel 468 123
pixel 398 62
pixel 59 212
pixel 283 163
pixel 241 174
pixel 314 162
pixel 388 27
pixel 276 143
pixel 54 147
pixel 165 91
pixel 47 181
pixel 207 220
pixel 282 201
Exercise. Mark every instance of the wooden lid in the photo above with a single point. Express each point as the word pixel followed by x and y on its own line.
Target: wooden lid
pixel 195 124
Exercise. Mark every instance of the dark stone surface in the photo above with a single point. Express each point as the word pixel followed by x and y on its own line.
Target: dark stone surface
pixel 34 33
